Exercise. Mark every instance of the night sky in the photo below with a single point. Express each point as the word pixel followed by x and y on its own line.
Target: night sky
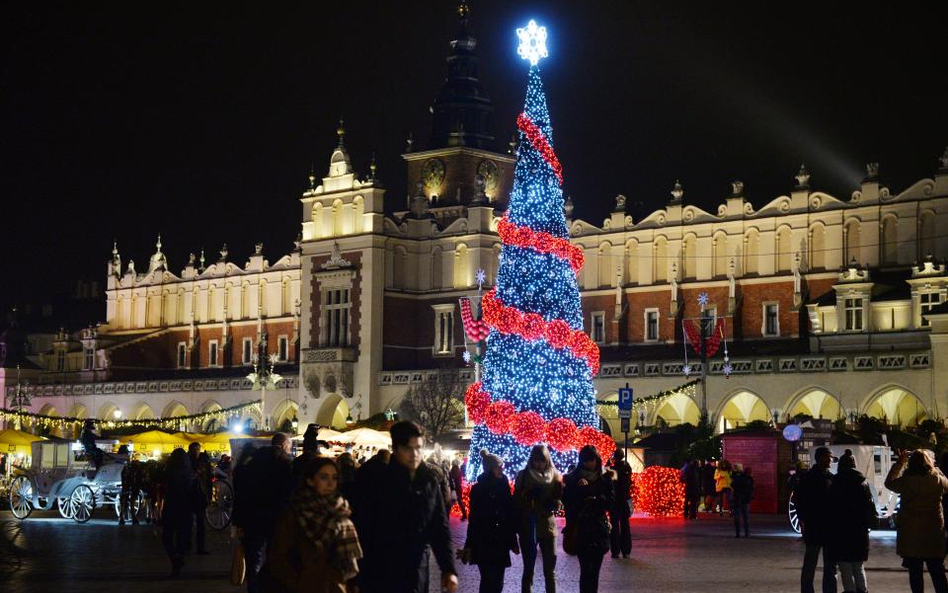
pixel 201 123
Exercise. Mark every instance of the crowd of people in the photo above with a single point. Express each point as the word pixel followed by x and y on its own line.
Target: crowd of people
pixel 718 487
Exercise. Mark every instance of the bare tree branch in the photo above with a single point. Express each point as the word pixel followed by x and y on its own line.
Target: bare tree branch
pixel 436 403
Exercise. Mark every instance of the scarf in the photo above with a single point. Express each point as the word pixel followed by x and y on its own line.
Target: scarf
pixel 326 524
pixel 591 475
pixel 544 477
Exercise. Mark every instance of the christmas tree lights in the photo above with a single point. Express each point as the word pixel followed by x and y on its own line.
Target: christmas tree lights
pixel 537 373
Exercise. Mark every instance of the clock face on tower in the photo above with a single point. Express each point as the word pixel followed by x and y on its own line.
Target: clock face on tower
pixel 432 175
pixel 488 169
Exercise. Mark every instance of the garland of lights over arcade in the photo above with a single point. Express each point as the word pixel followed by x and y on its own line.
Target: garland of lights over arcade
pixel 537 373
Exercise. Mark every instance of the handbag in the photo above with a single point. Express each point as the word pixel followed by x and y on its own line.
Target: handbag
pixel 571 537
pixel 238 564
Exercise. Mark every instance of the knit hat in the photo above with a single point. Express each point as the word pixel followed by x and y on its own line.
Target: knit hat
pixel 847 461
pixel 489 462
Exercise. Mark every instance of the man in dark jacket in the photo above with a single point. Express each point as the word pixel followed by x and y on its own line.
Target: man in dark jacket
pixel 620 539
pixel 262 491
pixel 691 478
pixel 401 513
pixel 742 485
pixel 854 512
pixel 457 485
pixel 812 498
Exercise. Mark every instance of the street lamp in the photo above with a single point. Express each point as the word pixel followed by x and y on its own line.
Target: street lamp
pixel 263 376
pixel 116 414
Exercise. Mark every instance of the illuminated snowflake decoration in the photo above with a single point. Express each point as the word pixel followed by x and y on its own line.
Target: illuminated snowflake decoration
pixel 703 299
pixel 686 369
pixel 532 43
pixel 481 277
pixel 467 357
pixel 727 369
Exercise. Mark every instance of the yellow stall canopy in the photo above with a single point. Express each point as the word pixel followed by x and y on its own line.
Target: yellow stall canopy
pixel 16 441
pixel 155 441
pixel 218 442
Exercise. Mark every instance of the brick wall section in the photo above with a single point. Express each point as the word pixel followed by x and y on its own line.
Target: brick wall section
pixel 635 314
pixel 606 303
pixel 717 297
pixel 355 297
pixel 408 334
pixel 753 297
pixel 768 455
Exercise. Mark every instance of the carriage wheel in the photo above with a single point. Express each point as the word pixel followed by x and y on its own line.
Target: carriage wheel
pixel 221 506
pixel 136 506
pixel 82 503
pixel 65 511
pixel 21 497
pixel 792 512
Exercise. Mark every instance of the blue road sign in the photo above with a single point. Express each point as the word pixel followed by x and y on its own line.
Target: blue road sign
pixel 625 398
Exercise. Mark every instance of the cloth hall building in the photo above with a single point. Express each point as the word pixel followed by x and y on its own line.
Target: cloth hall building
pixel 832 305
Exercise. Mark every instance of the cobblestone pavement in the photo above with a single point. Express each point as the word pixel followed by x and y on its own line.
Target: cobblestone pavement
pixel 47 553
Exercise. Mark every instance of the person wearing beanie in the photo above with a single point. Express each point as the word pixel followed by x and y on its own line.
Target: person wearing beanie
pixel 587 496
pixel 490 531
pixel 854 514
pixel 537 493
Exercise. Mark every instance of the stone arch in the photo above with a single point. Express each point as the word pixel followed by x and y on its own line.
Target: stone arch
pixel 333 412
pixel 337 226
pixel 461 266
pixel 606 271
pixel 751 252
pixel 632 261
pixel 740 407
pixel 719 255
pixel 678 409
pixel 817 259
pixel 895 404
pixel 926 234
pixel 318 222
pixel 141 411
pixel 212 424
pixel 78 411
pixel 245 300
pixel 889 250
pixel 107 411
pixel 437 267
pixel 175 408
pixel 609 414
pixel 816 402
pixel 689 257
pixel 660 259
pixel 251 419
pixel 783 250
pixel 48 410
pixel 284 413
pixel 358 209
pixel 852 241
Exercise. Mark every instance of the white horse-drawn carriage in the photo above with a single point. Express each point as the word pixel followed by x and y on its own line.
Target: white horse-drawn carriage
pixel 62 477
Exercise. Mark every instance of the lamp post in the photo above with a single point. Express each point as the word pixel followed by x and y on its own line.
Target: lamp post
pixel 263 376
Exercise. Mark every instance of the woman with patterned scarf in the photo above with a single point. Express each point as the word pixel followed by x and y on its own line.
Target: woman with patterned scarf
pixel 315 547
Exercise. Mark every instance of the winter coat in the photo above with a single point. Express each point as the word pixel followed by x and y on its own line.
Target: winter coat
pixel 490 529
pixel 722 479
pixel 262 489
pixel 536 505
pixel 743 487
pixel 690 477
pixel 454 477
pixel 708 485
pixel 812 502
pixel 853 514
pixel 587 505
pixel 442 483
pixel 295 564
pixel 398 518
pixel 179 494
pixel 623 487
pixel 921 522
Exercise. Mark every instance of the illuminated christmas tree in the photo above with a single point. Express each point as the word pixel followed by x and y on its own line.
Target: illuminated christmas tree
pixel 537 373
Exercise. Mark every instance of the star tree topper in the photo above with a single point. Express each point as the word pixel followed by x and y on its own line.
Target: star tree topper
pixel 532 42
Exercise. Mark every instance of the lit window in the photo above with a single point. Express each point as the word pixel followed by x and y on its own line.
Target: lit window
pixel 771 319
pixel 928 301
pixel 335 318
pixel 853 314
pixel 213 354
pixel 598 327
pixel 182 355
pixel 444 329
pixel 247 354
pixel 283 348
pixel 651 325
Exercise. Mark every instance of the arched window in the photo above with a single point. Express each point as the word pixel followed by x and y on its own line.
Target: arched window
pixel 606 270
pixel 245 300
pixel 318 222
pixel 926 234
pixel 852 242
pixel 660 260
pixel 751 252
pixel 437 267
pixel 461 267
pixel 817 247
pixel 719 260
pixel 784 250
pixel 632 262
pixel 337 229
pixel 689 257
pixel 358 209
pixel 890 240
pixel 287 306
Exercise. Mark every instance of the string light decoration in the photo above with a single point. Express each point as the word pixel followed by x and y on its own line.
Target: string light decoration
pixel 658 492
pixel 536 384
pixel 170 422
